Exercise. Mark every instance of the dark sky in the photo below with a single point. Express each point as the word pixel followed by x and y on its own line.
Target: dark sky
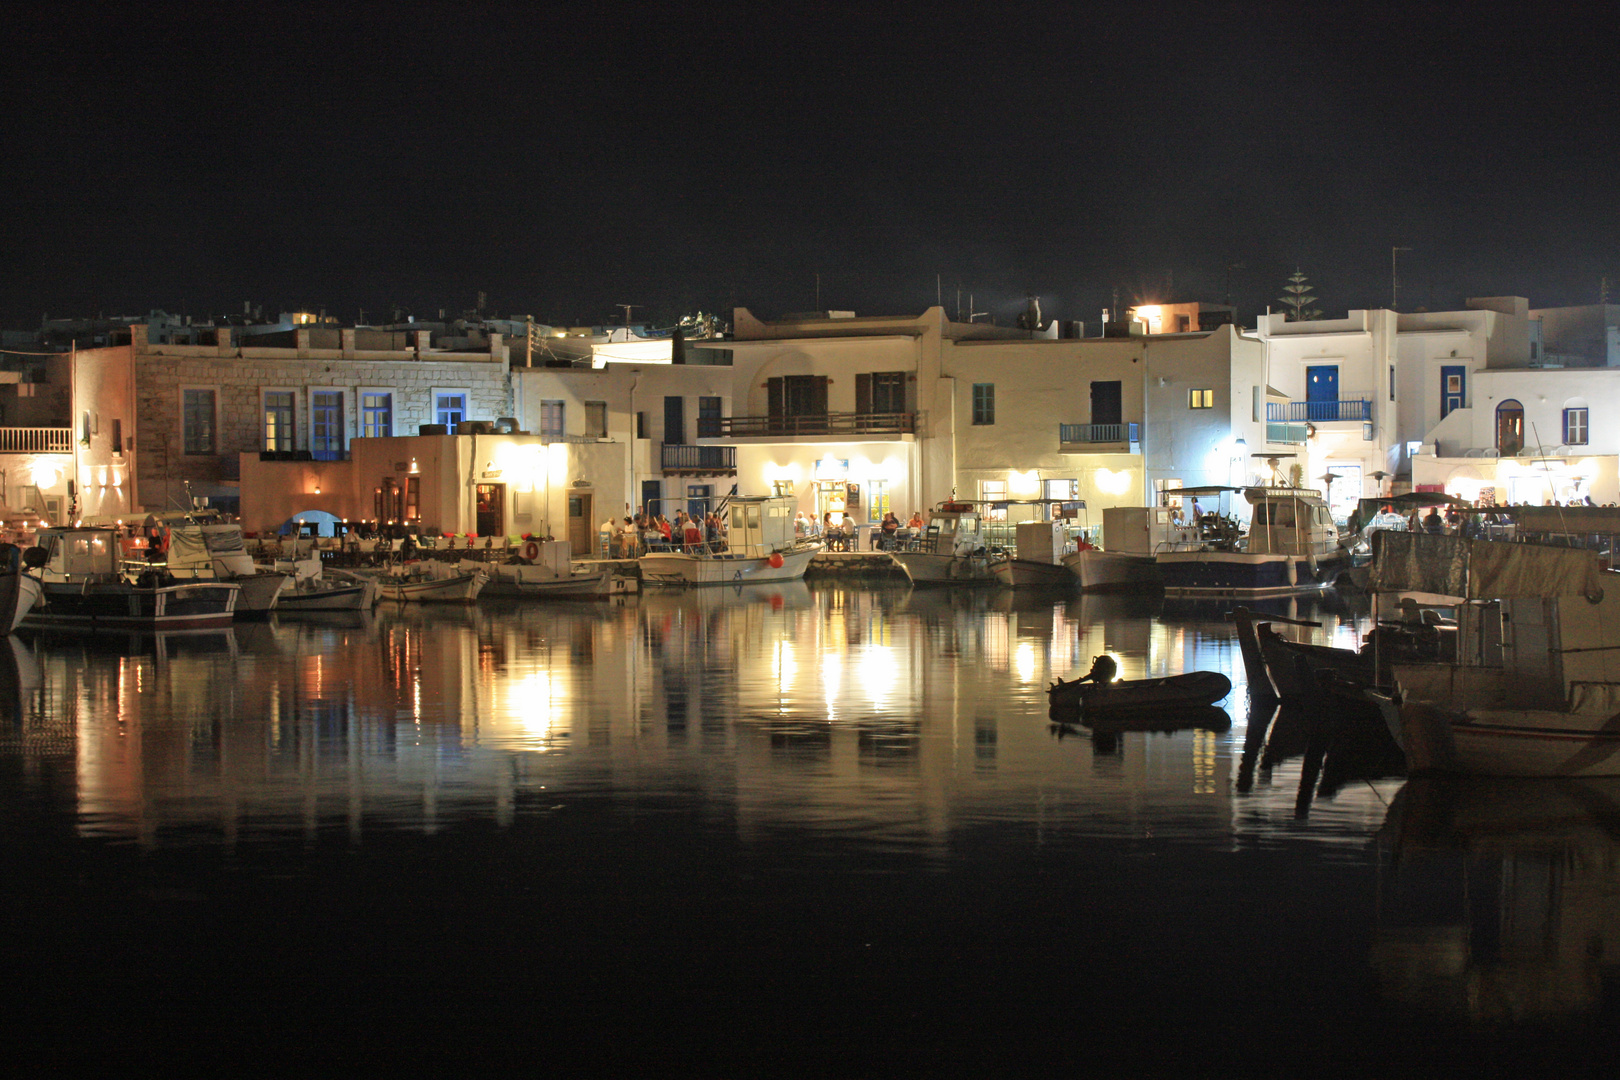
pixel 192 157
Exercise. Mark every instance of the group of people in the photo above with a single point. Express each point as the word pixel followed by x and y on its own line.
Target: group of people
pixel 840 534
pixel 655 532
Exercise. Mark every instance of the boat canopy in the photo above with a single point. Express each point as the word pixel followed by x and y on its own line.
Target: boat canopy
pixel 1480 569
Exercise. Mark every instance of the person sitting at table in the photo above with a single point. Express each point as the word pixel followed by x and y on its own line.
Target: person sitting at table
pixel 693 534
pixel 890 526
pixel 916 521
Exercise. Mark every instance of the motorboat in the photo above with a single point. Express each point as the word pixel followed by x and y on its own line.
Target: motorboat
pixel 1167 692
pixel 951 549
pixel 1535 687
pixel 83 584
pixel 759 546
pixel 1291 546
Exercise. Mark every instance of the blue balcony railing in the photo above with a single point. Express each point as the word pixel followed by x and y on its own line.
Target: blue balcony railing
pixel 1355 409
pixel 698 459
pixel 1099 433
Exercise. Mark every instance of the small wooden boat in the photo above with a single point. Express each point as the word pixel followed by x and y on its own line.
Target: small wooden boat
pixel 1169 692
pixel 422 585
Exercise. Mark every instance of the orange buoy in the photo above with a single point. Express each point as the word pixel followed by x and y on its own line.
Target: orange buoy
pixel 775 560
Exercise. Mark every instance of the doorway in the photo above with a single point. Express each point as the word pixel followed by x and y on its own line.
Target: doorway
pixel 581 530
pixel 1322 392
pixel 490 504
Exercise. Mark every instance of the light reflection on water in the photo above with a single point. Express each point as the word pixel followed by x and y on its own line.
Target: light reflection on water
pixel 882 717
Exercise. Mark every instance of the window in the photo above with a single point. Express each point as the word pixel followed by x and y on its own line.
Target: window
pixel 449 407
pixel 984 403
pixel 84 428
pixel 326 425
pixel 413 497
pixel 198 421
pixel 376 415
pixel 994 491
pixel 881 393
pixel 278 420
pixel 674 420
pixel 1509 428
pixel 708 417
pixel 551 420
pixel 1392 382
pixel 118 437
pixel 596 419
pixel 797 403
pixel 1200 399
pixel 877 499
pixel 1575 427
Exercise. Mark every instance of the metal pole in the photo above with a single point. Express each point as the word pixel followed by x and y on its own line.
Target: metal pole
pixel 1394 278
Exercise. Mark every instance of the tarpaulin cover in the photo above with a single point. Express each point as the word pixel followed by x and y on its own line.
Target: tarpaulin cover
pixel 1480 569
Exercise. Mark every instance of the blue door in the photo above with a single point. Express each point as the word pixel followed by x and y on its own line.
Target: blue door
pixel 1453 388
pixel 1322 392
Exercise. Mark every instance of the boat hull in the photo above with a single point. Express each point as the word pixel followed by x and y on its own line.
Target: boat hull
pixel 702 568
pixel 535 587
pixel 117 606
pixel 460 589
pixel 926 568
pixel 1169 692
pixel 1499 743
pixel 1029 574
pixel 18 595
pixel 1239 573
pixel 1112 571
pixel 336 598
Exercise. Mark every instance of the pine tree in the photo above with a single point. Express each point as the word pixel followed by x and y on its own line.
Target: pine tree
pixel 1299 302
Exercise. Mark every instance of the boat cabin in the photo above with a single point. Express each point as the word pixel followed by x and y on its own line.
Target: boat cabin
pixel 79 554
pixel 954 528
pixel 1290 521
pixel 760 525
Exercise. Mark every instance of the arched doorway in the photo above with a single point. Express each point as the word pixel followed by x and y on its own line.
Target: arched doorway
pixel 1509 428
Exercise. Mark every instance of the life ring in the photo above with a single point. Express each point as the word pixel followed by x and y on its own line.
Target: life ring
pixel 530 551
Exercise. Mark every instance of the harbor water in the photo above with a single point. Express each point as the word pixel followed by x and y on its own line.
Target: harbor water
pixel 777 830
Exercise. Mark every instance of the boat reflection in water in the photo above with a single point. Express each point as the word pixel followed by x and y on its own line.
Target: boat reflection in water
pixel 1501 902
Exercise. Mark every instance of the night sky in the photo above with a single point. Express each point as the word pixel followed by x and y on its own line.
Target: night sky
pixel 193 157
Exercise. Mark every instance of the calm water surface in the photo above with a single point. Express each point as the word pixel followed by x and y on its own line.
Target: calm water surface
pixel 786 830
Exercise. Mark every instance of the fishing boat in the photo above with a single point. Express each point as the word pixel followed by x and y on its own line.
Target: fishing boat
pixel 429 582
pixel 543 569
pixel 19 592
pixel 951 549
pixel 203 550
pixel 1167 692
pixel 1132 538
pixel 1535 688
pixel 84 585
pixel 1291 546
pixel 329 590
pixel 759 546
pixel 1041 547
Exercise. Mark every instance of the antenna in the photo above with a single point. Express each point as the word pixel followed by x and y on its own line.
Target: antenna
pixel 627 308
pixel 1394 278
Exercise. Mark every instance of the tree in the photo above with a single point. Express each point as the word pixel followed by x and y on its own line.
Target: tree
pixel 1300 304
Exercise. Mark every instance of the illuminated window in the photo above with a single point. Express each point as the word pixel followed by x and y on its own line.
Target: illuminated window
pixel 984 403
pixel 376 415
pixel 278 419
pixel 198 421
pixel 877 499
pixel 1200 399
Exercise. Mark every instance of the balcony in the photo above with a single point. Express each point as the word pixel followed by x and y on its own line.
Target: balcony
pixel 1082 438
pixel 36 440
pixel 681 460
pixel 1285 434
pixel 862 424
pixel 1356 410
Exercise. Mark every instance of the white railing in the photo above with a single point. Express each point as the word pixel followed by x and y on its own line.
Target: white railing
pixel 36 440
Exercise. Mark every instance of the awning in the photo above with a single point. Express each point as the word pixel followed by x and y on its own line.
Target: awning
pixel 1480 569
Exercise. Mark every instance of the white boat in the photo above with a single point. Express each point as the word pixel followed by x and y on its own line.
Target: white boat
pixel 83 585
pixel 1292 546
pixel 215 551
pixel 429 582
pixel 19 592
pixel 330 590
pixel 1535 690
pixel 1132 537
pixel 951 549
pixel 545 571
pixel 1041 547
pixel 759 547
